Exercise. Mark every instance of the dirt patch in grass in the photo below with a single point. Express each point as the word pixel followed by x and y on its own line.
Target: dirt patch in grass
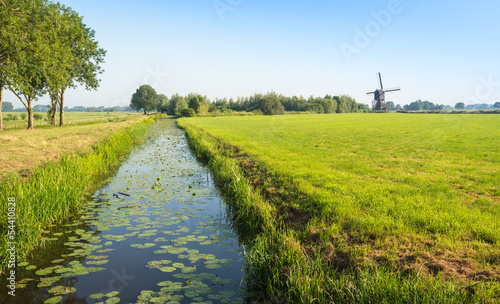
pixel 23 150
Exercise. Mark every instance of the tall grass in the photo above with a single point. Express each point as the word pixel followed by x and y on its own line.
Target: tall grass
pixel 53 191
pixel 280 267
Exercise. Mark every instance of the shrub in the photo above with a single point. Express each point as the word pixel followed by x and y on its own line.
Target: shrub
pixel 37 116
pixel 23 116
pixel 188 112
pixel 12 117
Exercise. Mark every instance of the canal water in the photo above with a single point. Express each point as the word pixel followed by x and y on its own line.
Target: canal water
pixel 158 232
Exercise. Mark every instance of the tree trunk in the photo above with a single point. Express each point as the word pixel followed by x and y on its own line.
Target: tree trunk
pixel 145 112
pixel 61 109
pixel 53 113
pixel 30 115
pixel 1 101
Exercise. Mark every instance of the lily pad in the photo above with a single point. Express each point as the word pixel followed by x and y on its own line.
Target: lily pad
pixel 226 261
pixel 112 294
pixel 53 300
pixel 98 262
pixel 42 272
pixel 62 290
pixel 213 266
pixel 22 264
pixel 97 296
pixel 167 269
pixel 63 270
pixel 57 261
pixel 188 269
pixel 113 300
pixel 31 267
pixel 208 276
pixel 143 246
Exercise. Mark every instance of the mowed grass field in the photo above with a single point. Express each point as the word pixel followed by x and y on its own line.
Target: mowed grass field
pixel 416 194
pixel 22 150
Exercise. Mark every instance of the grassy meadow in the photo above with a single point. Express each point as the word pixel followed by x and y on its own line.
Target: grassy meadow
pixel 406 207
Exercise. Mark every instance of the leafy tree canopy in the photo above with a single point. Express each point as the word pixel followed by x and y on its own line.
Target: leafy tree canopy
pixel 144 98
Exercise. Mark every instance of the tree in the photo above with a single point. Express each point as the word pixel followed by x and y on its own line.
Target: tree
pixel 188 112
pixel 26 58
pixel 460 106
pixel 497 105
pixel 199 104
pixel 144 98
pixel 270 105
pixel 80 60
pixel 177 104
pixel 390 105
pixel 17 17
pixel 346 104
pixel 163 104
pixel 7 107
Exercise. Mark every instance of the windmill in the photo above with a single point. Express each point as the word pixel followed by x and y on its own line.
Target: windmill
pixel 378 104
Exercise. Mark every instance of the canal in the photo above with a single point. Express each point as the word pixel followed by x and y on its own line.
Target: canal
pixel 157 232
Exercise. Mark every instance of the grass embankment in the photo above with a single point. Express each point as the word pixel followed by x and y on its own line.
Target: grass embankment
pixel 23 150
pixel 52 191
pixel 363 208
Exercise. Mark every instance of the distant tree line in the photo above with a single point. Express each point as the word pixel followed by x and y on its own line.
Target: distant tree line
pixel 45 48
pixel 146 99
pixel 8 107
pixel 420 105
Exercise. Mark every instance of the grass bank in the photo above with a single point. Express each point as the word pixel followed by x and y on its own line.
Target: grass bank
pixel 362 208
pixel 53 191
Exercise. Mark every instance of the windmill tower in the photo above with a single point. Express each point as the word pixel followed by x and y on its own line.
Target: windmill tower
pixel 378 103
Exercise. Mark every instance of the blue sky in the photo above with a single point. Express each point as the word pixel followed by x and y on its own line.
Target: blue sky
pixel 442 51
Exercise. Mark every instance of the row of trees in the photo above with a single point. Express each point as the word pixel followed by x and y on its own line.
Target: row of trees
pixel 272 103
pixel 484 106
pixel 9 107
pixel 146 99
pixel 45 48
pixel 420 105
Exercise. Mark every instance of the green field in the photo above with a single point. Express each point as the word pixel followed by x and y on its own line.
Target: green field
pixel 417 196
pixel 69 118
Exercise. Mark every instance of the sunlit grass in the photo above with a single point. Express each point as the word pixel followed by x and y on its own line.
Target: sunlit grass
pixel 22 150
pixel 399 193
